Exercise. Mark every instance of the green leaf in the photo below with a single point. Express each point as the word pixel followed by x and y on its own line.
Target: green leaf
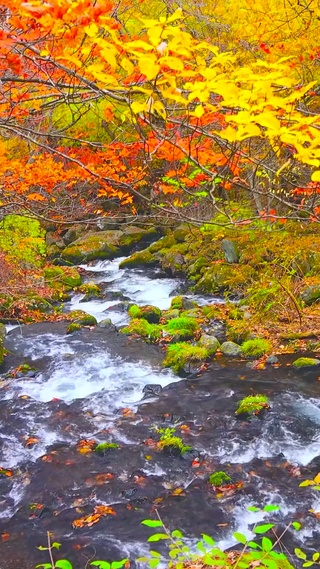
pixel 42 548
pixel 316 556
pixel 152 523
pixel 263 529
pixel 267 544
pixel 153 553
pixel 173 553
pixel 271 508
pixel 158 536
pixel 306 483
pixel 270 563
pixel 300 554
pixel 56 545
pixel 240 538
pixel 44 565
pixel 207 539
pixel 253 509
pixel 200 547
pixel 254 545
pixel 119 564
pixel 296 525
pixel 65 564
pixel 176 533
pixel 243 565
pixel 216 562
pixel 307 564
pixel 153 563
pixel 101 564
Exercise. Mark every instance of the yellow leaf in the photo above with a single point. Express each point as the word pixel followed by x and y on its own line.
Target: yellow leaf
pixel 149 67
pixel 177 15
pixel 317 478
pixel 92 30
pixel 198 112
pixel 316 178
pixel 172 62
pixel 137 107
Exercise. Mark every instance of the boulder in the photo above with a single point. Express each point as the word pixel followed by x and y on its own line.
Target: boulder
pixel 211 343
pixel 230 349
pixel 106 244
pixel 73 234
pixel 230 250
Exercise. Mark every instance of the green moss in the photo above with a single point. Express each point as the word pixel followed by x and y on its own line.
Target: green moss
pixel 143 328
pixel 177 302
pixel 82 318
pixel 169 314
pixel 90 289
pixel 106 446
pixel 219 478
pixel 165 242
pixel 181 354
pixel 140 259
pixel 306 362
pixel 73 327
pixel 252 405
pixel 134 311
pixel 181 323
pixel 65 278
pixel 169 441
pixel 209 311
pixel 255 348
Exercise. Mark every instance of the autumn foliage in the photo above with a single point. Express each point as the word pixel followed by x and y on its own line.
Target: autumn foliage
pixel 159 109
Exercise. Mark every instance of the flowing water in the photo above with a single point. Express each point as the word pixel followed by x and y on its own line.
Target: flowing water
pixel 89 386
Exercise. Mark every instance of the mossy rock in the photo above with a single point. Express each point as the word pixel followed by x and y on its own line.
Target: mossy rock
pixel 181 357
pixel 195 269
pixel 182 303
pixel 90 291
pixel 73 327
pixel 132 235
pixel 252 405
pixel 255 348
pixel 102 448
pixel 193 313
pixel 35 302
pixel 164 243
pixel 181 329
pixel 173 263
pixel 230 349
pixel 91 246
pixel 140 259
pixel 140 327
pixel 82 318
pixel 306 362
pixel 169 314
pixel 66 278
pixel 148 312
pixel 210 343
pixel 221 277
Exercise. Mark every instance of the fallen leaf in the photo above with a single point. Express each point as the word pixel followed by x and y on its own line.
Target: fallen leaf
pixel 104 510
pixel 5 536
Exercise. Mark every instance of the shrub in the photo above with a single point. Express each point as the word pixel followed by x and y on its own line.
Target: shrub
pixel 255 348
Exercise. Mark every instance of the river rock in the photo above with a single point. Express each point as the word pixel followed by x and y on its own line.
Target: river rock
pixel 230 250
pixel 272 360
pixel 211 343
pixel 73 234
pixel 230 349
pixel 306 362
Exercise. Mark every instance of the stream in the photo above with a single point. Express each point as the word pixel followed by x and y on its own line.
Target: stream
pixel 91 386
